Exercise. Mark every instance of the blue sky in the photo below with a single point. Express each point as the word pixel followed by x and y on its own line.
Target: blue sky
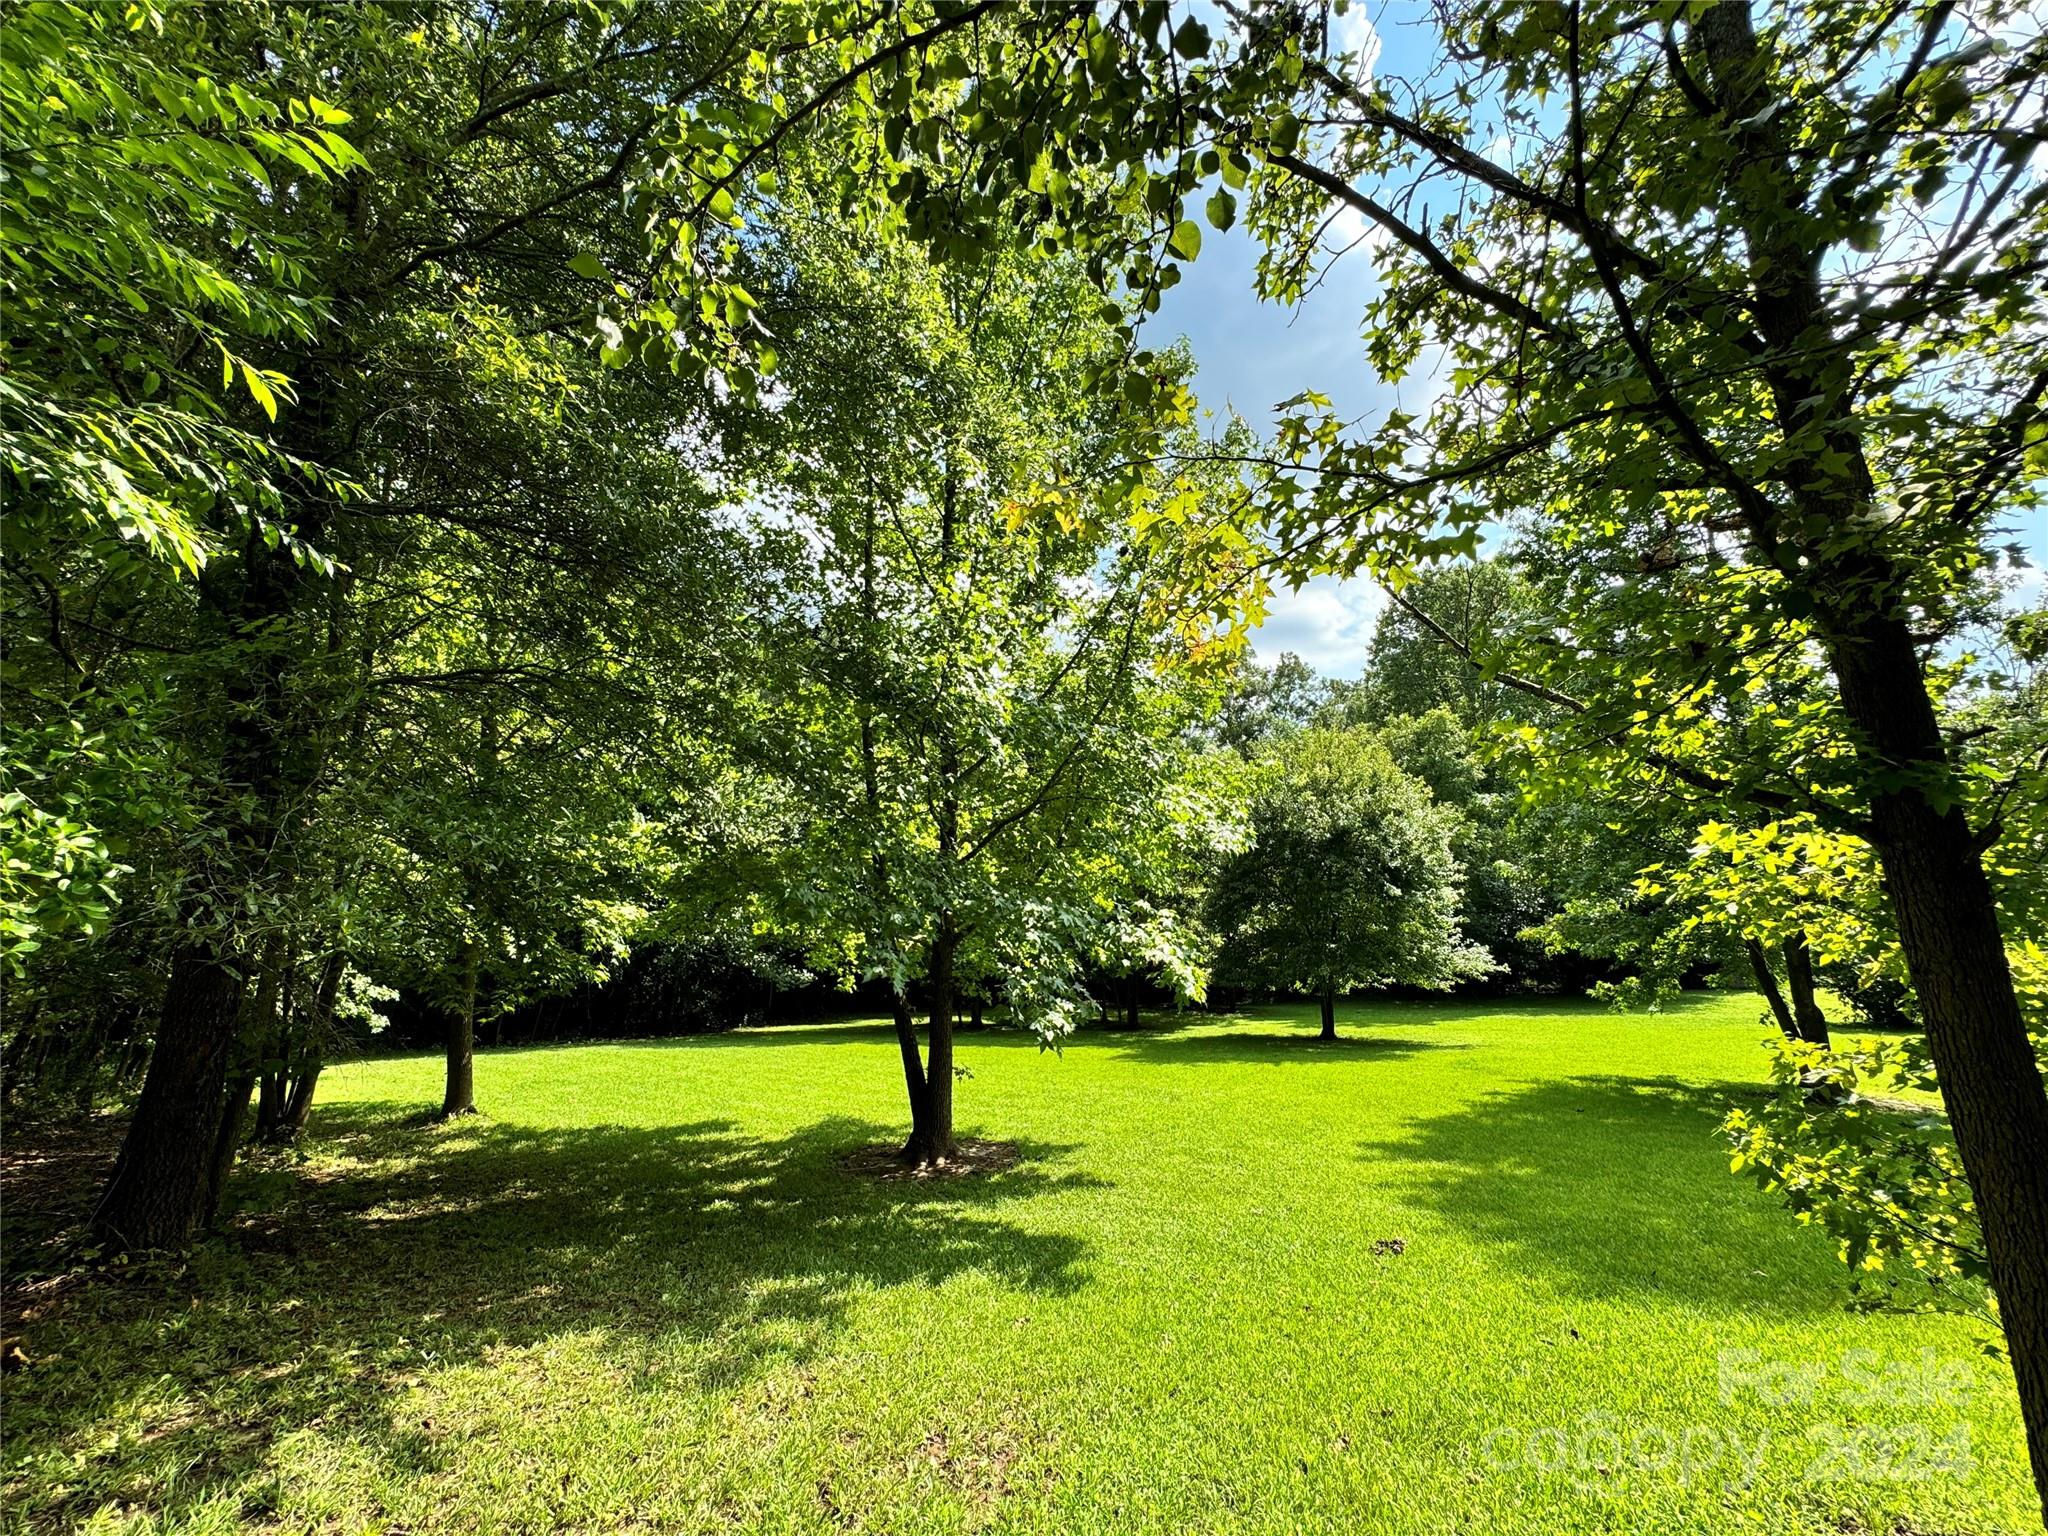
pixel 1251 356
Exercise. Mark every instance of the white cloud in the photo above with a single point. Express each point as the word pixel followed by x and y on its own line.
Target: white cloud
pixel 1328 624
pixel 1354 33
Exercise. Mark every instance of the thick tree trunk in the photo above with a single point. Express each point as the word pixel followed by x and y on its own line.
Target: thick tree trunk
pixel 1810 1023
pixel 1954 949
pixel 158 1191
pixel 1947 919
pixel 1329 1002
pixel 459 1098
pixel 1767 984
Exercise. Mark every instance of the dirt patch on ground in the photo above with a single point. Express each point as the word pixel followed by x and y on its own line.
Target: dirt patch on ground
pixel 51 1169
pixel 970 1158
pixel 50 1177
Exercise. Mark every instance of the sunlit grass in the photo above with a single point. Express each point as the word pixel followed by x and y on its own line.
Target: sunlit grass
pixel 1476 1268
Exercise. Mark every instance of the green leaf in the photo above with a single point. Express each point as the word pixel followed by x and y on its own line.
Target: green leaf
pixel 1222 209
pixel 584 264
pixel 1186 240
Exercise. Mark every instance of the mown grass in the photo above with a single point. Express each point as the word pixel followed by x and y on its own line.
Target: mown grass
pixel 1476 1268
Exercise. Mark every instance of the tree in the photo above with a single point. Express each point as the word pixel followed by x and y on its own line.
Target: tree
pixel 1264 701
pixel 366 297
pixel 145 166
pixel 1478 613
pixel 1743 356
pixel 1349 880
pixel 970 685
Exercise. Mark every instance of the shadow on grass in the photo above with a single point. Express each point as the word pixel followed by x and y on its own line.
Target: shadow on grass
pixel 1276 1048
pixel 694 1249
pixel 1617 1187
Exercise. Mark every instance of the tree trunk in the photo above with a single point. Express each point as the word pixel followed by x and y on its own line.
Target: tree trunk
pixel 933 1142
pixel 1955 952
pixel 1947 919
pixel 1329 1001
pixel 227 1143
pixel 913 1077
pixel 157 1193
pixel 1808 1019
pixel 974 1009
pixel 299 1106
pixel 312 1054
pixel 272 1091
pixel 1131 1002
pixel 257 1036
pixel 460 1096
pixel 1767 984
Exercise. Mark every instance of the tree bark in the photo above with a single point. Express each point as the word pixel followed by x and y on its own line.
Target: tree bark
pixel 256 1036
pixel 1767 984
pixel 1329 1002
pixel 227 1144
pixel 1808 1019
pixel 1955 952
pixel 933 1142
pixel 299 1106
pixel 459 1098
pixel 312 1054
pixel 1131 1002
pixel 1947 918
pixel 913 1076
pixel 157 1193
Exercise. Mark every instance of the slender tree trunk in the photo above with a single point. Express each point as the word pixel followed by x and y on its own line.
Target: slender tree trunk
pixel 974 1012
pixel 934 1142
pixel 460 1095
pixel 1767 984
pixel 1131 1002
pixel 913 1078
pixel 157 1193
pixel 1807 1017
pixel 272 1093
pixel 1329 1002
pixel 312 1053
pixel 298 1107
pixel 254 1040
pixel 227 1144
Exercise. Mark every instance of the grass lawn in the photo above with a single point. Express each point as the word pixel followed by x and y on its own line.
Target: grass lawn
pixel 1478 1268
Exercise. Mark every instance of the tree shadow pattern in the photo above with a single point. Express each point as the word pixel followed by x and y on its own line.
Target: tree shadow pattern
pixel 1597 1184
pixel 447 1246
